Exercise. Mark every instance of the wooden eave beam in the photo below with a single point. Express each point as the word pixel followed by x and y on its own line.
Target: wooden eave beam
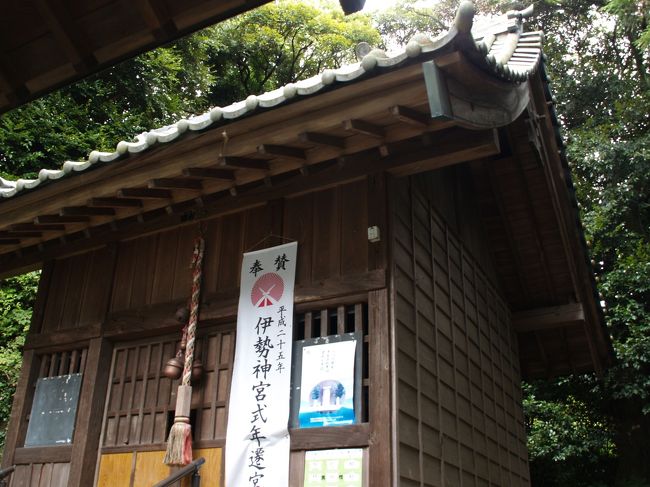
pixel 145 193
pixel 28 227
pixel 282 151
pixel 13 86
pixel 209 173
pixel 365 128
pixel 176 183
pixel 244 163
pixel 20 234
pixel 322 139
pixel 156 17
pixel 548 318
pixel 60 219
pixel 411 116
pixel 111 202
pixel 68 35
pixel 86 211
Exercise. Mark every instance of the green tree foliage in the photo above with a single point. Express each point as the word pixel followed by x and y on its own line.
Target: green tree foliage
pixel 281 43
pixel 399 23
pixel 153 89
pixel 599 76
pixel 16 300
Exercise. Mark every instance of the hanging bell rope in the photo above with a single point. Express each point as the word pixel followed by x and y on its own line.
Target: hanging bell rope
pixel 179 444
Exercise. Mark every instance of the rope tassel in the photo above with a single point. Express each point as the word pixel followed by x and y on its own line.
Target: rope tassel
pixel 179 444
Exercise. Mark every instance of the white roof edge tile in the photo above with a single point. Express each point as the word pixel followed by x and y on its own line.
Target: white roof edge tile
pixel 376 60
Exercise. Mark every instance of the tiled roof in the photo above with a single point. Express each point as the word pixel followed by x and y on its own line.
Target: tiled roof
pixel 498 46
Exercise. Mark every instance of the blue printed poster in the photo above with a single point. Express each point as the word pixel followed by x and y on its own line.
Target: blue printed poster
pixel 327 384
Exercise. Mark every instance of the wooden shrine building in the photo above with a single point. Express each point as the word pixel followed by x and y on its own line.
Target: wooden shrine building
pixel 435 217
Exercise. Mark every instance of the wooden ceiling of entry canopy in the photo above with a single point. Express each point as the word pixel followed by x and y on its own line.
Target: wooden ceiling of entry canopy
pixel 45 44
pixel 403 114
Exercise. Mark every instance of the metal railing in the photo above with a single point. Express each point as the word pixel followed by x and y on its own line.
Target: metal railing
pixel 190 469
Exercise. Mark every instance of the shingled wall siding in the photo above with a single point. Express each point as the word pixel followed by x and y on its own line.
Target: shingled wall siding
pixel 459 414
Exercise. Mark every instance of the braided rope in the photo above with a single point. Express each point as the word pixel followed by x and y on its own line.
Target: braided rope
pixel 197 261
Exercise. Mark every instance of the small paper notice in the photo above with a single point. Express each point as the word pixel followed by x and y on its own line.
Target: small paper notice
pixel 334 468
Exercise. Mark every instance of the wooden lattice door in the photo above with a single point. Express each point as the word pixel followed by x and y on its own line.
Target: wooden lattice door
pixel 140 408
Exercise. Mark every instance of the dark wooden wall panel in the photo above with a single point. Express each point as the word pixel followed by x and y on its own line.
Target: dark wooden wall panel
pixel 153 269
pixel 460 419
pixel 330 226
pixel 79 291
pixel 452 193
pixel 227 238
pixel 41 475
pixel 298 224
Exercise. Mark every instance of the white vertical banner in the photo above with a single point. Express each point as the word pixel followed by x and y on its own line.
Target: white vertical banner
pixel 257 440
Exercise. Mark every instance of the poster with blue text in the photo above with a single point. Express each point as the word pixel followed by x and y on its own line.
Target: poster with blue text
pixel 257 440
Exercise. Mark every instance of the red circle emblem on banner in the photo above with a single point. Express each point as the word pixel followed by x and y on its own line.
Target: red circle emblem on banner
pixel 267 290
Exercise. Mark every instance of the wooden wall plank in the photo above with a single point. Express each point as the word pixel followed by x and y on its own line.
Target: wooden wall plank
pixel 115 469
pixel 60 473
pixel 21 406
pixel 94 305
pixel 144 269
pixel 380 401
pixel 163 279
pixel 56 296
pixel 326 225
pixel 457 377
pixel 231 245
pixel 298 225
pixel 258 228
pixel 212 470
pixel 377 216
pixel 75 289
pixel 149 468
pixel 44 283
pixel 126 261
pixel 296 468
pixel 354 227
pixel 183 270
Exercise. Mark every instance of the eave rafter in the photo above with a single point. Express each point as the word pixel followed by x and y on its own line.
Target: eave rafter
pixel 548 318
pixel 409 155
pixel 70 37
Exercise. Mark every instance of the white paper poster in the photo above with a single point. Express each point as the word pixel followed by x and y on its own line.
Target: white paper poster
pixel 327 384
pixel 257 441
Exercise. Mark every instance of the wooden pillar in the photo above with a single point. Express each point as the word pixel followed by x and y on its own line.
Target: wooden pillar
pixel 381 404
pixel 21 406
pixel 90 412
pixel 22 402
